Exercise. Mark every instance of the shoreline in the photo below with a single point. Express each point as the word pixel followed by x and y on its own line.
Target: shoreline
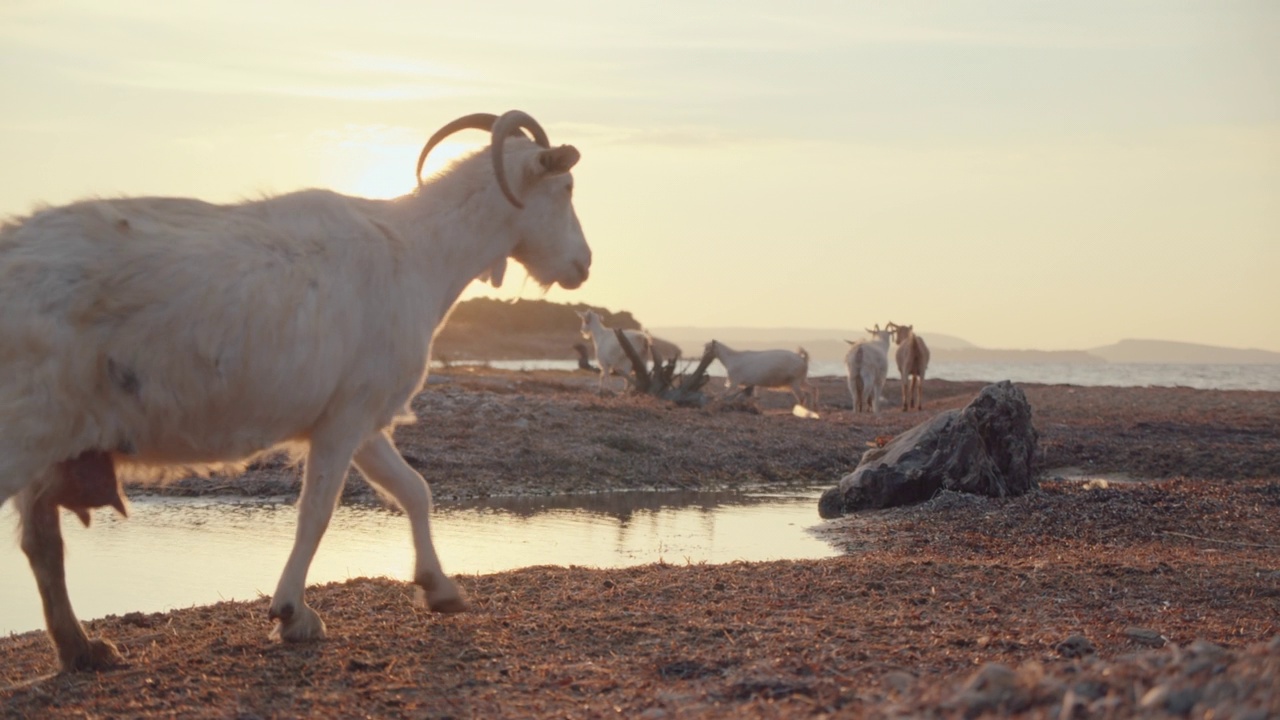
pixel 484 432
pixel 1016 607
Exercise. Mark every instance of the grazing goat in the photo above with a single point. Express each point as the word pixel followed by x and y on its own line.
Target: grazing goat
pixel 663 350
pixel 609 353
pixel 913 359
pixel 161 337
pixel 867 363
pixel 767 369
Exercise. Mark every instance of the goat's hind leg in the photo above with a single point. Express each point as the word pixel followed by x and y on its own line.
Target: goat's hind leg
pixel 42 544
pixel 380 463
pixel 324 475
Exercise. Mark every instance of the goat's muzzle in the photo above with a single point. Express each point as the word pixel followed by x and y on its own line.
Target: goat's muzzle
pixel 581 277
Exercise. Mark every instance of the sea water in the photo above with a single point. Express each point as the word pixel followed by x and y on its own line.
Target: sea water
pixel 1199 376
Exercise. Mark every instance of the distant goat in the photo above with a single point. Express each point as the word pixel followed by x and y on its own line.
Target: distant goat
pixel 162 337
pixel 867 363
pixel 913 360
pixel 663 350
pixel 609 353
pixel 767 369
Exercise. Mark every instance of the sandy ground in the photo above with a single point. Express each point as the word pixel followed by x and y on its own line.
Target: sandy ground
pixel 1158 597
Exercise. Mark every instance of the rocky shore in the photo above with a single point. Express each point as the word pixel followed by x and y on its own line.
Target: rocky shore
pixel 1156 592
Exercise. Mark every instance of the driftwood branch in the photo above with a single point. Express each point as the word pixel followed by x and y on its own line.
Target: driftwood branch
pixel 641 375
pixel 662 381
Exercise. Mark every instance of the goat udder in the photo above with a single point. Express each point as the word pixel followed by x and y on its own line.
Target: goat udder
pixel 88 481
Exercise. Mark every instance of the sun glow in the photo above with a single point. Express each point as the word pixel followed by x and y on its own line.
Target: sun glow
pixel 445 154
pixel 381 182
pixel 387 170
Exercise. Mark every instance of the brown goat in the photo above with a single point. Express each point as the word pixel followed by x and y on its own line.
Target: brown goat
pixel 913 359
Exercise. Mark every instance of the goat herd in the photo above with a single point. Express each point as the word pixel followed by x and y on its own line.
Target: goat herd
pixel 866 363
pixel 162 337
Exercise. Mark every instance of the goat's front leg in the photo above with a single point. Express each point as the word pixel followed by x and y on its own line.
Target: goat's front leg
pixel 42 544
pixel 326 471
pixel 380 462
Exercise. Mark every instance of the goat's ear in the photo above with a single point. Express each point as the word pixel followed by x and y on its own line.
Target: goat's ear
pixel 495 272
pixel 558 160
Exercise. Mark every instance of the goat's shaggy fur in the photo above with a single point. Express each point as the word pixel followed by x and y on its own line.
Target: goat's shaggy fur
pixel 161 337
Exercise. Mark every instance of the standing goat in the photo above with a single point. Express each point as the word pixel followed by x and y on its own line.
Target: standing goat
pixel 609 353
pixel 160 337
pixel 766 368
pixel 867 363
pixel 913 360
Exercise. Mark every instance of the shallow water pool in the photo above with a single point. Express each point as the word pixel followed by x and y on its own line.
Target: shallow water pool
pixel 178 552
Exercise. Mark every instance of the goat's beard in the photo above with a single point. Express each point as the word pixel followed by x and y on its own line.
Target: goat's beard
pixel 494 273
pixel 531 273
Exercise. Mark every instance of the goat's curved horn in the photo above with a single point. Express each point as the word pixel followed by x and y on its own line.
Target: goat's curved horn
pixel 511 122
pixel 474 121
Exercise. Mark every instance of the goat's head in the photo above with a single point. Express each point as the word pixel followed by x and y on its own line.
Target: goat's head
pixel 900 332
pixel 535 179
pixel 590 321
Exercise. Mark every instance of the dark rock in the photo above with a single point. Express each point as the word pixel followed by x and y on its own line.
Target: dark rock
pixel 986 448
pixel 1145 636
pixel 1076 646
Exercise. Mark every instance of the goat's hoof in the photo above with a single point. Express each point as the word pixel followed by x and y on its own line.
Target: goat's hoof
pixel 284 612
pixel 95 656
pixel 301 624
pixel 442 596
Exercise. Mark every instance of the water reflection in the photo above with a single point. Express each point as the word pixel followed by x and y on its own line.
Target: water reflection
pixel 179 552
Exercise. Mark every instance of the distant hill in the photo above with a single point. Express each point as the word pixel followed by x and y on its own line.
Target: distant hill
pixel 1025 357
pixel 1168 351
pixel 489 329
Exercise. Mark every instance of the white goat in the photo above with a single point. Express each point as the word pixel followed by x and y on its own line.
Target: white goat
pixel 161 337
pixel 867 363
pixel 609 353
pixel 767 369
pixel 913 360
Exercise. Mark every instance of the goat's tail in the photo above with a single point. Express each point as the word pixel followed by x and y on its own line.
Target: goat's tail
pixel 804 355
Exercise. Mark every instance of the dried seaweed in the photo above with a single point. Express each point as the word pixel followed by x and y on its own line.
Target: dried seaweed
pixel 1045 605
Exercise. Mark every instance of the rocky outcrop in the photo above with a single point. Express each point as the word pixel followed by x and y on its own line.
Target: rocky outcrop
pixel 986 448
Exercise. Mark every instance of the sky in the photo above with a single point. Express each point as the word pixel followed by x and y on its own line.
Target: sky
pixel 1017 173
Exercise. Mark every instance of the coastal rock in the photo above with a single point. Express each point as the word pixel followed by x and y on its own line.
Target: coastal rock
pixel 986 448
